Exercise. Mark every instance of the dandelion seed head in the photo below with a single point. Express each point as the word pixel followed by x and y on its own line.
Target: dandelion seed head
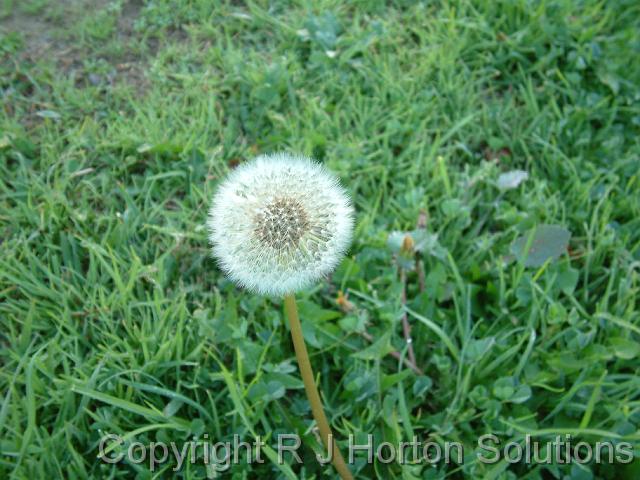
pixel 279 223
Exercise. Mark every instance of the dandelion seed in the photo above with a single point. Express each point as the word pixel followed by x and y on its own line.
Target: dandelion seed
pixel 279 223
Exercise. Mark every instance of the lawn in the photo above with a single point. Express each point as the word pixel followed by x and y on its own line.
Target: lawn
pixel 492 153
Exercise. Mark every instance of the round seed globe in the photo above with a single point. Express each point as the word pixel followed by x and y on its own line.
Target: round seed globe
pixel 279 223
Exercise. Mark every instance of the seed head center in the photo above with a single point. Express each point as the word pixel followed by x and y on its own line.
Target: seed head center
pixel 281 223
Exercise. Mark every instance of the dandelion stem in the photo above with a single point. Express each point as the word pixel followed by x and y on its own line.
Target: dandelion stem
pixel 310 387
pixel 421 225
pixel 406 326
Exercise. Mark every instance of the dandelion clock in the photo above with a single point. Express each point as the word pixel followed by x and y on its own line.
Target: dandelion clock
pixel 279 224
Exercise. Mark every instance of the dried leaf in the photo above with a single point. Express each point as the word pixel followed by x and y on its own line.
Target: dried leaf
pixel 512 179
pixel 546 242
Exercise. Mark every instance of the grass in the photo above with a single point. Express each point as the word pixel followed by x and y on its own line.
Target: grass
pixel 118 120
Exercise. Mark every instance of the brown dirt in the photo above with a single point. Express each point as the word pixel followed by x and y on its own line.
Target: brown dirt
pixel 46 37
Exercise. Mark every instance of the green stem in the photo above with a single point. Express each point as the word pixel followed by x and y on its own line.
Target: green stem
pixel 311 389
